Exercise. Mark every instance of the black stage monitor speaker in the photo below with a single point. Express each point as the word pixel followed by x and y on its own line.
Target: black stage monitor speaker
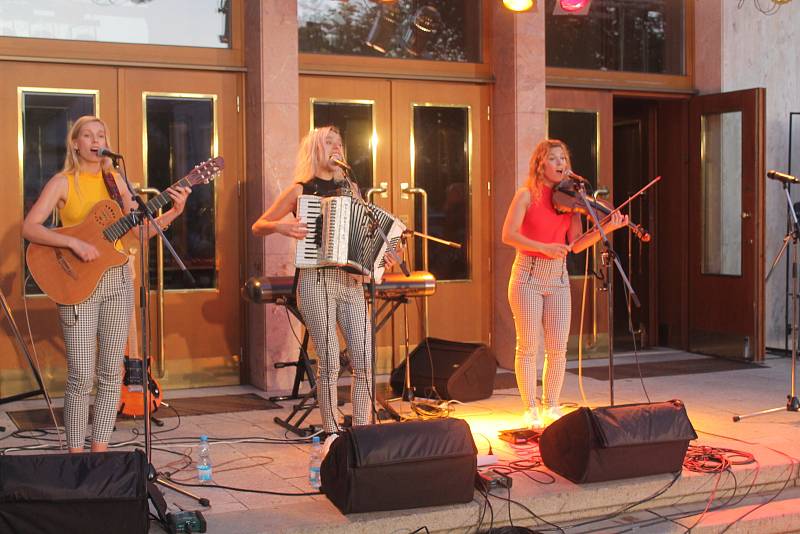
pixel 618 441
pixel 460 371
pixel 87 493
pixel 397 466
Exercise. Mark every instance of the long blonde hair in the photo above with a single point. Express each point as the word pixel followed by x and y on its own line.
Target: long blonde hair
pixel 72 164
pixel 311 154
pixel 536 165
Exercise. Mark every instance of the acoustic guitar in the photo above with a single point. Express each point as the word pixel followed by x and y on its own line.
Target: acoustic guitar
pixel 67 279
pixel 131 400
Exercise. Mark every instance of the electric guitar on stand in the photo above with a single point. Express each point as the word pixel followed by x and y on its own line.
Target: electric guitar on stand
pixel 131 402
pixel 67 279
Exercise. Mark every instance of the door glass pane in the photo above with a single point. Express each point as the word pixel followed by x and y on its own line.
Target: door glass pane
pixel 201 23
pixel 441 167
pixel 46 119
pixel 441 30
pixel 181 134
pixel 617 35
pixel 354 121
pixel 721 176
pixel 578 129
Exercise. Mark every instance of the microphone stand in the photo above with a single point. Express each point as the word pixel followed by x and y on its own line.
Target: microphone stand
pixel 146 214
pixel 375 226
pixel 792 403
pixel 610 259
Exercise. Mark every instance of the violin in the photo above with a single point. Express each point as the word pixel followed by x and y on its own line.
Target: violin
pixel 567 200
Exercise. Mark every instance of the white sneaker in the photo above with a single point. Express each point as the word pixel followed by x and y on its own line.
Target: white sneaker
pixel 327 444
pixel 550 414
pixel 533 419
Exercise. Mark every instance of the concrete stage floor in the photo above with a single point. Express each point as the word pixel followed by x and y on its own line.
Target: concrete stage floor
pixel 758 497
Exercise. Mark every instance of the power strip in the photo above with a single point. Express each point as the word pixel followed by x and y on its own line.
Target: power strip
pixel 491 479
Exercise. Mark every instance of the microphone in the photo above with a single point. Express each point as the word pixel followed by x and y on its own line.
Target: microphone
pixel 104 152
pixel 781 177
pixel 339 163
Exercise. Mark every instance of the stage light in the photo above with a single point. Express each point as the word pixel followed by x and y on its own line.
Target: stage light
pixel 572 6
pixel 422 28
pixel 383 29
pixel 519 5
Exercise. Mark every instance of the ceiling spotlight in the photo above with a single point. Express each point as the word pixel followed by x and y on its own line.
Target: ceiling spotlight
pixel 425 24
pixel 383 29
pixel 572 6
pixel 519 5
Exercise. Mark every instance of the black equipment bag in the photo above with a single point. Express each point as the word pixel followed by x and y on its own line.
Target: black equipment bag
pixel 86 493
pixel 400 465
pixel 616 442
pixel 461 371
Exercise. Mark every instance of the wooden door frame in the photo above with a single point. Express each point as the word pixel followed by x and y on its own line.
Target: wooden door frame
pixel 600 102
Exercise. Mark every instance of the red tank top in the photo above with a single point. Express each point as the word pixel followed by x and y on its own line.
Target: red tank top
pixel 542 223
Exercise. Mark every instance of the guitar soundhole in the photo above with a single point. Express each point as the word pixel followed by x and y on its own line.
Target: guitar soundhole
pixel 105 216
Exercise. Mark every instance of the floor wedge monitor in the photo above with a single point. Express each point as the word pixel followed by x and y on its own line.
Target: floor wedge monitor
pixel 460 371
pixel 88 493
pixel 400 465
pixel 614 442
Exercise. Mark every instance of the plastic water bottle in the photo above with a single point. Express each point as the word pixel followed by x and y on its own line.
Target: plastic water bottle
pixel 204 461
pixel 314 463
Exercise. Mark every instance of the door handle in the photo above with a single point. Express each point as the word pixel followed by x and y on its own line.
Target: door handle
pixel 406 190
pixel 383 189
pixel 746 215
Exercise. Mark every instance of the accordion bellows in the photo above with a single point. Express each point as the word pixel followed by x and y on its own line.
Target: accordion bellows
pixel 345 232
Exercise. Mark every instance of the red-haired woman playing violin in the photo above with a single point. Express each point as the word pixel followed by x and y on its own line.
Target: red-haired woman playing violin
pixel 538 289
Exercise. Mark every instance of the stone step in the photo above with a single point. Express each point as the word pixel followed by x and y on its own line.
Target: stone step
pixel 768 513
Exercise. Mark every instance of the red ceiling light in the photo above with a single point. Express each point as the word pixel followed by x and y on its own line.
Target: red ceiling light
pixel 571 6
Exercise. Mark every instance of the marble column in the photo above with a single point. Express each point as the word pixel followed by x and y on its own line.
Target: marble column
pixel 518 123
pixel 272 123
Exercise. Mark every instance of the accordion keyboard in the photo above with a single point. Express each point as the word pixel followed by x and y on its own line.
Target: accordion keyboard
pixel 309 208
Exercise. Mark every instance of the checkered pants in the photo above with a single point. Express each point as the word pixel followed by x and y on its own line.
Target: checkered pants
pixel 327 296
pixel 95 333
pixel 538 292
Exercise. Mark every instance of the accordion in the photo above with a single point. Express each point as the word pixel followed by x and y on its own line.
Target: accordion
pixel 342 233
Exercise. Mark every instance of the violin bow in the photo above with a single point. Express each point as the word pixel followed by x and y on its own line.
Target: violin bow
pixel 628 201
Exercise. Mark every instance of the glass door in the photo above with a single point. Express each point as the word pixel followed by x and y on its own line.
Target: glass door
pixel 415 148
pixel 170 123
pixel 726 214
pixel 38 107
pixel 164 122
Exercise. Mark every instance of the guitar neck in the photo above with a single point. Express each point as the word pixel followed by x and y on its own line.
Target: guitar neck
pixel 125 223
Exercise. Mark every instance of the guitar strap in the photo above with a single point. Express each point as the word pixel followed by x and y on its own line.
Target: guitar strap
pixel 111 186
pixel 113 192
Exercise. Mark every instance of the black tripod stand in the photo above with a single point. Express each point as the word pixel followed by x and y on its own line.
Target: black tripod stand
pixel 24 349
pixel 791 238
pixel 145 214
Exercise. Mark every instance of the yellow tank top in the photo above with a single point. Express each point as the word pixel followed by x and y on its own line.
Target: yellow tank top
pixel 80 201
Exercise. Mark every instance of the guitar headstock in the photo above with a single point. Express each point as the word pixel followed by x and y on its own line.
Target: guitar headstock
pixel 206 171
